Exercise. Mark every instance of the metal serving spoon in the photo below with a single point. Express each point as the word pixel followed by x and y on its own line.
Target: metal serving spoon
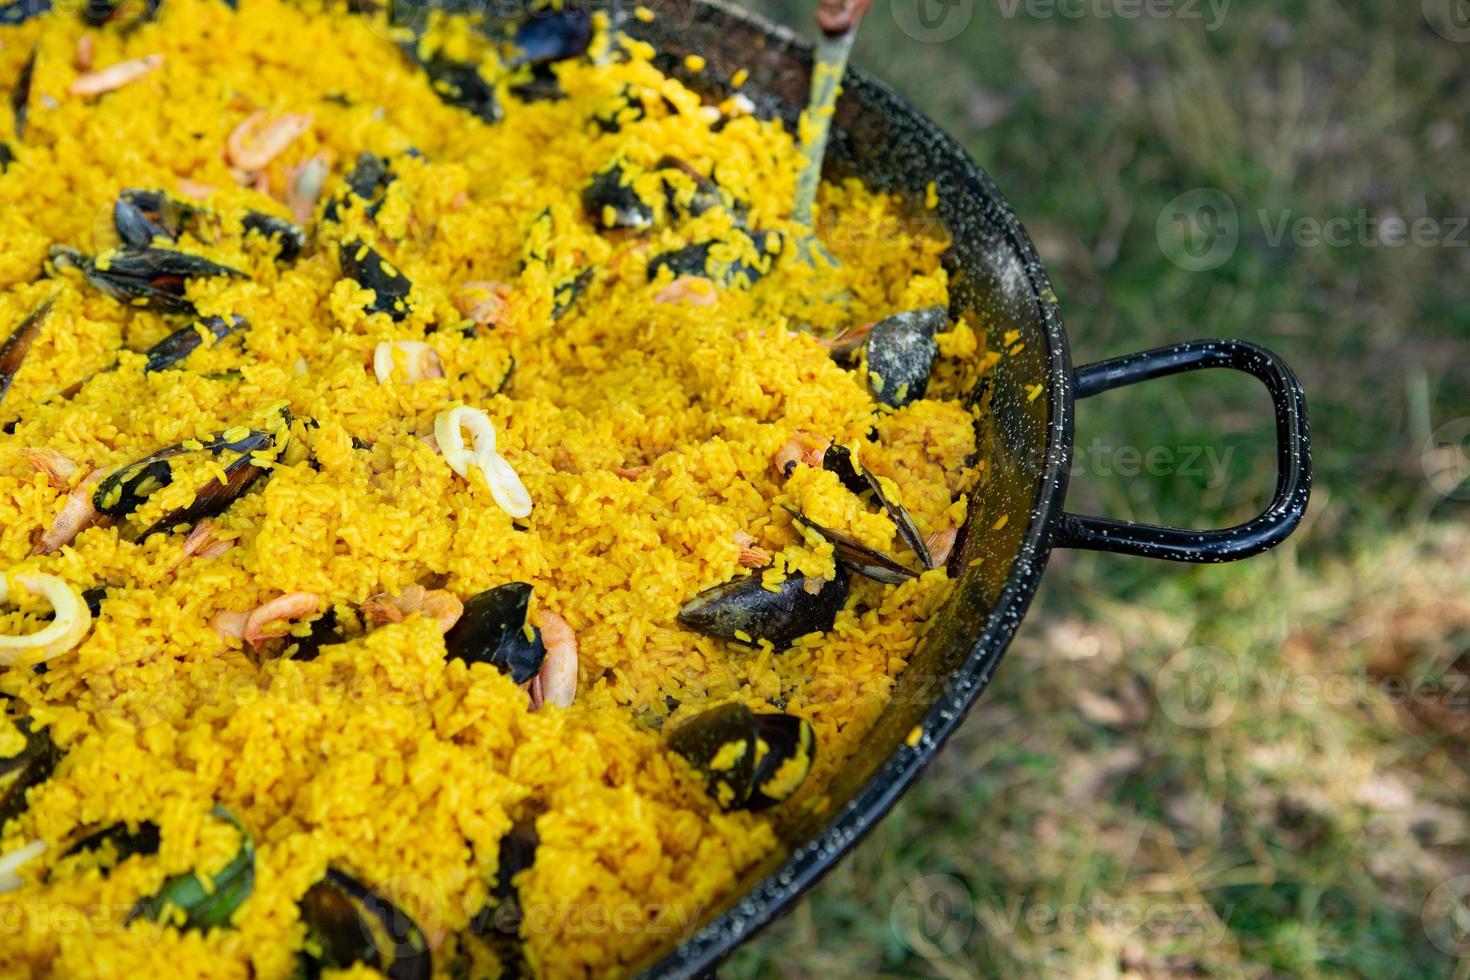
pixel 838 20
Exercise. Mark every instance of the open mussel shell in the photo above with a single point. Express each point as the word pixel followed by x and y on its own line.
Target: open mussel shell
pixel 146 278
pixel 348 923
pixel 125 489
pixel 859 557
pixel 20 95
pixel 851 474
pixel 31 766
pixel 460 84
pixel 749 761
pixel 703 259
pixel 326 631
pixel 288 238
pixel 123 841
pixel 205 905
pixel 142 214
pixel 500 919
pixel 390 288
pixel 492 631
pixel 549 35
pixel 181 343
pixel 743 610
pixel 611 201
pixel 13 352
pixel 901 352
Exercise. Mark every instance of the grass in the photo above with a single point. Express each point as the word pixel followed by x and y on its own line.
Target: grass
pixel 1248 770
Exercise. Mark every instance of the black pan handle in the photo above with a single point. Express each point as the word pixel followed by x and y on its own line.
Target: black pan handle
pixel 1293 457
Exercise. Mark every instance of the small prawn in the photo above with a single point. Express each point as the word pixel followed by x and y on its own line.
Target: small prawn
pixel 77 514
pixel 801 449
pixel 304 184
pixel 58 469
pixel 251 626
pixel 443 607
pixel 941 543
pixel 253 144
pixel 483 302
pixel 556 682
pixel 114 77
pixel 202 543
pixel 690 290
pixel 86 52
pixel 750 555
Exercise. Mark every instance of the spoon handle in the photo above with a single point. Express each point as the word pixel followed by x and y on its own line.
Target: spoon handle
pixel 839 20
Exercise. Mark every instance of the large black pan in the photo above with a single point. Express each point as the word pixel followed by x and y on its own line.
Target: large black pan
pixel 888 144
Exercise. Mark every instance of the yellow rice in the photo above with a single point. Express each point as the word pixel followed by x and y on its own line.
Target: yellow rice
pixel 381 757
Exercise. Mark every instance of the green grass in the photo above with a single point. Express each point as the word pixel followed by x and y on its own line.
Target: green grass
pixel 1076 826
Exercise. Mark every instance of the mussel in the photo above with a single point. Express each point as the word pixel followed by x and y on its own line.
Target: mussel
pixel 500 920
pixel 460 84
pixel 140 215
pixel 611 201
pixel 181 343
pixel 368 181
pixel 348 923
pixel 901 352
pixel 749 761
pixel 852 475
pixel 566 294
pixel 100 12
pixel 119 841
pixel 205 906
pixel 147 278
pixel 706 196
pixel 390 288
pixel 743 610
pixel 857 556
pixel 31 766
pixel 125 489
pixel 288 238
pixel 492 631
pixel 541 86
pixel 625 107
pixel 549 35
pixel 7 157
pixel 725 262
pixel 13 352
pixel 326 631
pixel 20 95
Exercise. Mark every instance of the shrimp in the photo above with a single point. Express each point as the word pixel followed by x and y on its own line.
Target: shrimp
pixel 443 607
pixel 58 469
pixel 750 555
pixel 304 184
pixel 77 514
pixel 86 52
pixel 484 302
pixel 690 290
pixel 556 683
pixel 941 543
pixel 251 626
pixel 254 143
pixel 114 77
pixel 202 543
pixel 801 449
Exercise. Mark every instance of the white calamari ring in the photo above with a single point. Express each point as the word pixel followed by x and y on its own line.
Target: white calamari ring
pixel 70 619
pixel 505 484
pixel 448 433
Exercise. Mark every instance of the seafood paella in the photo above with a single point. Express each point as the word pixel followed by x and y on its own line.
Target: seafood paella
pixel 446 527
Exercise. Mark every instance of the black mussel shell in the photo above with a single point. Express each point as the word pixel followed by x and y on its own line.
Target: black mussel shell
pixel 367 181
pixel 289 239
pixel 125 489
pixel 553 35
pixel 851 474
pixel 502 917
pixel 99 12
pixel 20 95
pixel 542 86
pixel 13 352
pixel 94 598
pixel 611 201
pixel 858 556
pixel 741 754
pixel 147 278
pixel 31 766
pixel 124 841
pixel 565 296
pixel 326 631
pixel 707 195
pixel 181 343
pixel 492 630
pixel 698 260
pixel 350 923
pixel 626 107
pixel 205 906
pixel 901 352
pixel 140 215
pixel 7 157
pixel 460 84
pixel 390 287
pixel 743 610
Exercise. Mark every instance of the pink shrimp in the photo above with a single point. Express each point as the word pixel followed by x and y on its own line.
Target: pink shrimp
pixel 751 556
pixel 846 343
pixel 690 290
pixel 251 626
pixel 77 514
pixel 483 301
pixel 114 77
pixel 202 543
pixel 58 469
pixel 254 143
pixel 941 543
pixel 86 51
pixel 556 682
pixel 196 189
pixel 304 184
pixel 801 449
pixel 443 607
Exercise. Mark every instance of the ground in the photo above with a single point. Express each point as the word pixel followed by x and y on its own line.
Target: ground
pixel 1247 770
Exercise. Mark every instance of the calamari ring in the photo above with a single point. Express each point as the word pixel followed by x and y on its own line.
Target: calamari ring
pixel 70 620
